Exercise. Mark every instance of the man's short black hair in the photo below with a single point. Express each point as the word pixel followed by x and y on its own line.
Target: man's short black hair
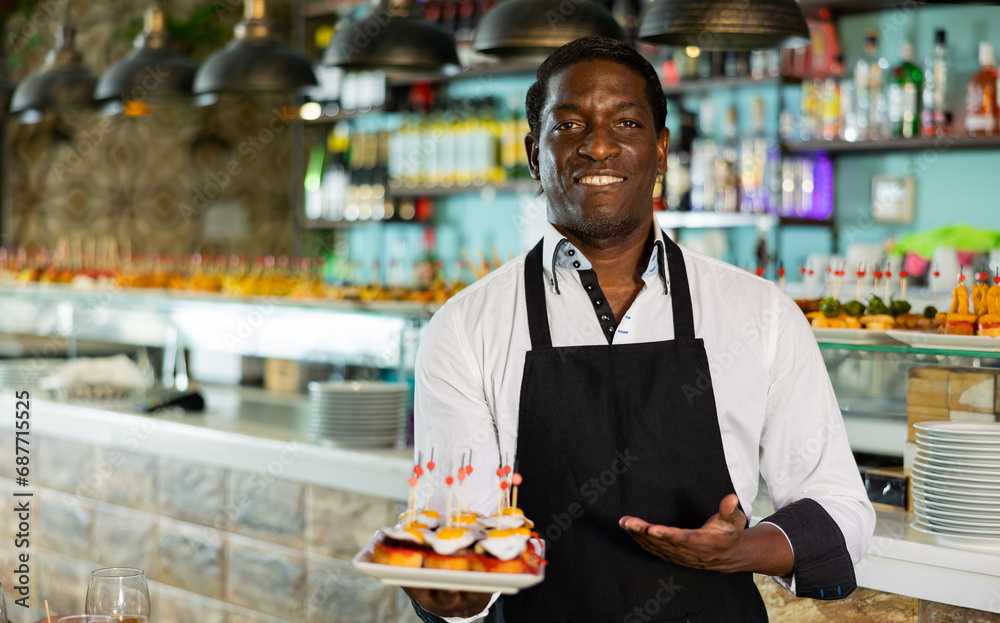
pixel 595 49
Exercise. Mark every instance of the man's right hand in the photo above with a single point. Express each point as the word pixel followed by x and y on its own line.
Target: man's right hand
pixel 449 603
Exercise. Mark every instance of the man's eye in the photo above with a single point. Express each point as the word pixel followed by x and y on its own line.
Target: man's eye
pixel 566 125
pixel 628 123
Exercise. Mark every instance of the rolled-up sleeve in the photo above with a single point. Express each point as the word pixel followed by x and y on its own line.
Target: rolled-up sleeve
pixel 806 461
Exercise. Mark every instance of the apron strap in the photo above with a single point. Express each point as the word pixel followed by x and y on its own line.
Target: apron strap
pixel 534 297
pixel 680 292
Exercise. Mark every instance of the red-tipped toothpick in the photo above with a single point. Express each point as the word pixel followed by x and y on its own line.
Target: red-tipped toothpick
pixel 448 481
pixel 903 274
pixel 861 281
pixel 430 468
pixel 937 274
pixel 781 275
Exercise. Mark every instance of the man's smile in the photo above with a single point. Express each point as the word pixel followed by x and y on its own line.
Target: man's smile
pixel 600 180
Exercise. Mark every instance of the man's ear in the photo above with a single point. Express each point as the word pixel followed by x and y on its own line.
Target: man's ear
pixel 531 147
pixel 662 148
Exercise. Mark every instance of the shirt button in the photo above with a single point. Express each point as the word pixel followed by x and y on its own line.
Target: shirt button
pixel 571 252
pixel 598 303
pixel 611 329
pixel 576 264
pixel 604 317
pixel 590 287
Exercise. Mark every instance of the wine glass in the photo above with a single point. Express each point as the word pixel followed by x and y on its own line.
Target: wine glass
pixel 120 592
pixel 85 618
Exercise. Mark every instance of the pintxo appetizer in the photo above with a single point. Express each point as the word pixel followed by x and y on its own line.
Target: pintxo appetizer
pixel 462 540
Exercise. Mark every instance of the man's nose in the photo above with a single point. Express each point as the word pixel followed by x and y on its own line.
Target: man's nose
pixel 598 144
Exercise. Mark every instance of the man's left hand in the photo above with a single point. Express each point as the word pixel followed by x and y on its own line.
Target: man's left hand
pixel 721 544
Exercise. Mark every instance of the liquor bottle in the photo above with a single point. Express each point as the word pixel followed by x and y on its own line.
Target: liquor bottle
pixel 727 195
pixel 869 81
pixel 753 162
pixel 703 160
pixel 509 143
pixel 936 69
pixel 981 95
pixel 904 95
pixel 829 108
pixel 809 109
pixel 848 111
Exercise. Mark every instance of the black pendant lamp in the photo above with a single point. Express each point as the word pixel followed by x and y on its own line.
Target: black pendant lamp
pixel 62 82
pixel 152 70
pixel 530 30
pixel 725 24
pixel 393 38
pixel 254 60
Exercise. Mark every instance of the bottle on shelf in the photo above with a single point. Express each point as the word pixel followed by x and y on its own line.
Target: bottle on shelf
pixel 849 130
pixel 981 95
pixel 703 160
pixel 829 108
pixel 754 163
pixel 937 66
pixel 869 83
pixel 727 193
pixel 809 110
pixel 904 95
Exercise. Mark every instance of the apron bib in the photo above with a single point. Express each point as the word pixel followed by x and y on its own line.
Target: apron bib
pixel 606 431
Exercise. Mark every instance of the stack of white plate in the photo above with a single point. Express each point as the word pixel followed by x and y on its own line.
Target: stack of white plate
pixel 25 373
pixel 956 479
pixel 358 413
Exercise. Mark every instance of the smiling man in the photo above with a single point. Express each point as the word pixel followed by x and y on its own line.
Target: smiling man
pixel 642 388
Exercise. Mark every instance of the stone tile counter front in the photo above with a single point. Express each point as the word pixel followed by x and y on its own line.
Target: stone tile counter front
pixel 237 516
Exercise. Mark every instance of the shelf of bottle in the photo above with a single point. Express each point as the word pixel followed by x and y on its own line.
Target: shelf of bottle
pixel 482 71
pixel 937 143
pixel 724 82
pixel 669 219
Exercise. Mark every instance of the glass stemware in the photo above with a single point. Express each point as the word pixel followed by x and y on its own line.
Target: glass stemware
pixel 120 592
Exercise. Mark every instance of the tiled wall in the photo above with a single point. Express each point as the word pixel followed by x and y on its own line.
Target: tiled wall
pixel 218 546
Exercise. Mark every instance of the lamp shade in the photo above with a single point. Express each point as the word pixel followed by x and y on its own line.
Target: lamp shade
pixel 151 69
pixel 533 29
pixel 394 38
pixel 62 82
pixel 254 60
pixel 725 24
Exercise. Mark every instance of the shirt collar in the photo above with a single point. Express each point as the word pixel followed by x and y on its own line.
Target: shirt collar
pixel 558 251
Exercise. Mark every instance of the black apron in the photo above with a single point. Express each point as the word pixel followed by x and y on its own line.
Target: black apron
pixel 606 431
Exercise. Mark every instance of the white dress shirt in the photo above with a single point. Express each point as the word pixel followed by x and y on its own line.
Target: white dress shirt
pixel 777 410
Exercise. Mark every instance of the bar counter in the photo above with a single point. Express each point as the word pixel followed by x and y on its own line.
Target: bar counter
pixel 222 507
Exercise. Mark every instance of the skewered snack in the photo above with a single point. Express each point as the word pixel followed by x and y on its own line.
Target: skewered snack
pixel 928 320
pixel 465 541
pixel 958 320
pixel 989 323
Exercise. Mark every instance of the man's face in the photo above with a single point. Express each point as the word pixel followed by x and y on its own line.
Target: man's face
pixel 597 153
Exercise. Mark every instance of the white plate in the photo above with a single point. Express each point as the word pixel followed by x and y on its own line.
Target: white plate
pixel 930 511
pixel 937 458
pixel 921 339
pixel 961 526
pixel 959 522
pixel 943 507
pixel 963 454
pixel 852 336
pixel 988 445
pixel 935 491
pixel 443 579
pixel 965 482
pixel 969 474
pixel 960 538
pixel 960 429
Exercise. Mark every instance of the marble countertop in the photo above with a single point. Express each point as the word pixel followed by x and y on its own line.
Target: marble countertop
pixel 247 428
